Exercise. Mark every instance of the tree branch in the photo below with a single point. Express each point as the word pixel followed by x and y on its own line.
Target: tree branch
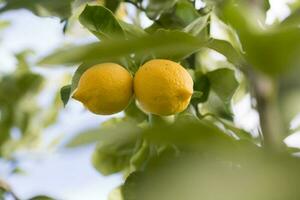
pixel 264 89
pixel 5 186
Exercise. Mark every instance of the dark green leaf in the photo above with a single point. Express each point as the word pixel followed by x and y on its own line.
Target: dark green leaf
pixel 101 22
pixel 224 83
pixel 177 17
pixel 65 93
pixel 202 84
pixel 112 4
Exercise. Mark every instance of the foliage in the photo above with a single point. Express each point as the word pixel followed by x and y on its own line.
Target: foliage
pixel 19 108
pixel 199 152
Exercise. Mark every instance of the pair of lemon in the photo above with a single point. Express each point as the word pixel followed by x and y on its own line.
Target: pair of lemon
pixel 161 87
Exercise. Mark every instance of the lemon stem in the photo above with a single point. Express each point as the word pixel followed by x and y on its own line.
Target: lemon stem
pixel 160 120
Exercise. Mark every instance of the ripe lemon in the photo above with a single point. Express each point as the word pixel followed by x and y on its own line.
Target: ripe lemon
pixel 163 87
pixel 105 88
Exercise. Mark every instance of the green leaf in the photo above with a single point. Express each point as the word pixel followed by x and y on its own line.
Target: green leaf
pixel 201 84
pixel 164 44
pixel 101 22
pixel 217 176
pixel 197 135
pixel 99 134
pixel 65 93
pixel 41 197
pixel 271 50
pixel 58 8
pixel 223 82
pixel 197 26
pixel 226 49
pixel 216 105
pixel 292 20
pixel 112 4
pixel 133 112
pixel 86 138
pixel 131 30
pixel 157 7
pixel 177 17
pixel 115 148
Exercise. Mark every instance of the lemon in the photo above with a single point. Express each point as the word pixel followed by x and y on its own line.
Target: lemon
pixel 163 87
pixel 105 88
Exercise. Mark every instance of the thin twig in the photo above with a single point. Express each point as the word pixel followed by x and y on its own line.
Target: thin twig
pixel 5 186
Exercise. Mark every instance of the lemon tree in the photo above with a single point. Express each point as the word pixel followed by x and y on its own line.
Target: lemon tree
pixel 177 79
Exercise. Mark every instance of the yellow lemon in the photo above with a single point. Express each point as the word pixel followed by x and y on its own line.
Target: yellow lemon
pixel 105 88
pixel 163 87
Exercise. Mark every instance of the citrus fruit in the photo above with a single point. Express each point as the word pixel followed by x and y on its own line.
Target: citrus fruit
pixel 105 88
pixel 163 87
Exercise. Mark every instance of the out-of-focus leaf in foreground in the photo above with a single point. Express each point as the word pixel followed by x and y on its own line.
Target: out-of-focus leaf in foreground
pixel 240 171
pixel 164 44
pixel 41 7
pixel 115 147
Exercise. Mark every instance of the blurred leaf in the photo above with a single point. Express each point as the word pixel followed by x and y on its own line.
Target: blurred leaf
pixel 4 24
pixel 235 174
pixel 58 8
pixel 95 135
pixel 65 93
pixel 197 135
pixel 41 197
pixel 224 83
pixel 139 159
pixel 292 20
pixel 273 51
pixel 164 44
pixel 101 22
pixel 86 138
pixel 115 148
pixel 226 49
